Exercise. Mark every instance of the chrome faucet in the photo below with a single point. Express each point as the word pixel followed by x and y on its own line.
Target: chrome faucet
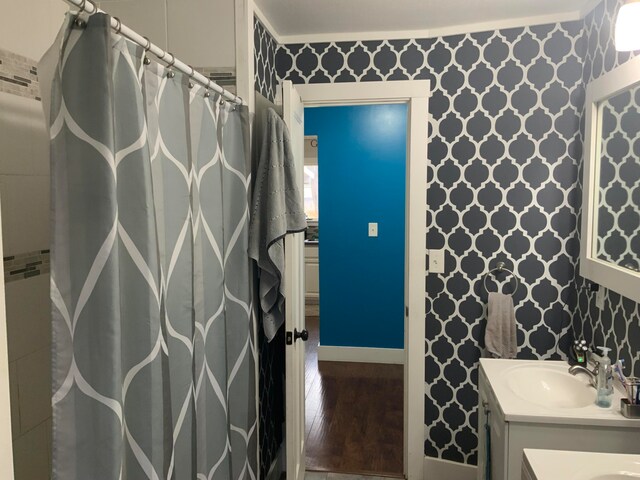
pixel 592 374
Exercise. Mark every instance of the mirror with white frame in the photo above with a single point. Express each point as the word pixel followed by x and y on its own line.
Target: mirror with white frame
pixel 610 252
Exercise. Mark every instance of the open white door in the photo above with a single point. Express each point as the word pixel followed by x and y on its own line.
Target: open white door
pixel 296 335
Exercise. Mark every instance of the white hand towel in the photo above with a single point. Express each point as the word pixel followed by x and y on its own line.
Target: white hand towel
pixel 500 336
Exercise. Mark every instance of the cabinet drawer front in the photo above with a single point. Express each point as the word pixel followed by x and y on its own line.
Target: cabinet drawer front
pixel 312 278
pixel 311 252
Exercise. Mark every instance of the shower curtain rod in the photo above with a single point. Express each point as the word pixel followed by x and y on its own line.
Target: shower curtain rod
pixel 89 7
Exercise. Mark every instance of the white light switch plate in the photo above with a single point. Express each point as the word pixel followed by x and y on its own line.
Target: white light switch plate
pixel 373 229
pixel 436 261
pixel 600 298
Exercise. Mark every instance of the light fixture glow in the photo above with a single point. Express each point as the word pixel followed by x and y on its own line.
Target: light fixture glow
pixel 628 27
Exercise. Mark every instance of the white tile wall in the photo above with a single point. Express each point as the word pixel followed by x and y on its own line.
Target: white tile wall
pixel 24 190
pixel 25 212
pixel 15 407
pixel 28 316
pixel 34 389
pixel 23 136
pixel 29 335
pixel 171 25
pixel 30 454
pixel 340 476
pixel 48 428
pixel 30 30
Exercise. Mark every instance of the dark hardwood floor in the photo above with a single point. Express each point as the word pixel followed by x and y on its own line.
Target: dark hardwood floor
pixel 354 415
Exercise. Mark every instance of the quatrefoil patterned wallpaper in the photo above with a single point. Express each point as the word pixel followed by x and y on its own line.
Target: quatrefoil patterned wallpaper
pixel 271 355
pixel 264 59
pixel 504 167
pixel 502 172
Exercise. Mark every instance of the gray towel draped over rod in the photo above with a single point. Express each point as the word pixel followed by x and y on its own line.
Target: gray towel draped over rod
pixel 500 268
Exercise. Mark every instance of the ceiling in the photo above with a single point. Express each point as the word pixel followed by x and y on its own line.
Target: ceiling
pixel 317 20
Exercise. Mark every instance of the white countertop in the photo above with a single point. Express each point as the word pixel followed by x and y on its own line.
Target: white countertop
pixel 516 409
pixel 559 464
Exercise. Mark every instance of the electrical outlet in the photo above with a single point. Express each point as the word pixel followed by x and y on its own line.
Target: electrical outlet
pixel 436 261
pixel 373 229
pixel 600 298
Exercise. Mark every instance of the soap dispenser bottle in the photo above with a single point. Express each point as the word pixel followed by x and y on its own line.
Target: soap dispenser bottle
pixel 604 395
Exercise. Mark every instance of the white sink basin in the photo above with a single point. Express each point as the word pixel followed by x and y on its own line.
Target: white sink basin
pixel 543 391
pixel 616 476
pixel 555 464
pixel 549 386
pixel 610 467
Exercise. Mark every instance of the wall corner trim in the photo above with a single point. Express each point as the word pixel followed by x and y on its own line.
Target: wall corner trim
pixel 437 468
pixel 332 353
pixel 267 24
pixel 589 7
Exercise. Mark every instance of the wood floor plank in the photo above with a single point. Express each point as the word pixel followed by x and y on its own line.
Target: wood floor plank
pixel 354 414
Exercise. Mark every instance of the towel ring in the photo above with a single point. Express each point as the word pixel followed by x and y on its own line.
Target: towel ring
pixel 500 267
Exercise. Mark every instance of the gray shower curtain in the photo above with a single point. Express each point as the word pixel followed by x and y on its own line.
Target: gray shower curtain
pixel 153 349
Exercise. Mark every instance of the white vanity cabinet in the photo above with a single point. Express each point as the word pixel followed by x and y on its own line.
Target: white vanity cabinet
pixel 489 411
pixel 516 424
pixel 312 272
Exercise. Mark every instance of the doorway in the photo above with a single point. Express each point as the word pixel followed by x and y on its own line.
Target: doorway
pixel 354 378
pixel 415 94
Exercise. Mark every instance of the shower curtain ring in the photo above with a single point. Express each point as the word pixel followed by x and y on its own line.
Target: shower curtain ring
pixel 147 47
pixel 193 71
pixel 170 64
pixel 119 26
pixel 78 21
pixel 173 60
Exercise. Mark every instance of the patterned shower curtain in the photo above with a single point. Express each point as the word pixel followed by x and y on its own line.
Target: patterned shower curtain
pixel 153 349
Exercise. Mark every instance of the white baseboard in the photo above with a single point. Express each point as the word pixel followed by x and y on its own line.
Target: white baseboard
pixel 438 469
pixel 312 298
pixel 361 354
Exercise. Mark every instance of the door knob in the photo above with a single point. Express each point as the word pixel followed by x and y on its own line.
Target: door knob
pixel 292 337
pixel 304 335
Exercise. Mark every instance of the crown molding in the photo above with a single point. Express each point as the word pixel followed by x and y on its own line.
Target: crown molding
pixel 426 33
pixel 435 32
pixel 507 23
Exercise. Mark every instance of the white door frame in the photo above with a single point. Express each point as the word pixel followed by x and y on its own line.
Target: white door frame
pixel 416 94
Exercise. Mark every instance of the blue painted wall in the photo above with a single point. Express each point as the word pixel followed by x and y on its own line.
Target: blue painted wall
pixel 361 175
